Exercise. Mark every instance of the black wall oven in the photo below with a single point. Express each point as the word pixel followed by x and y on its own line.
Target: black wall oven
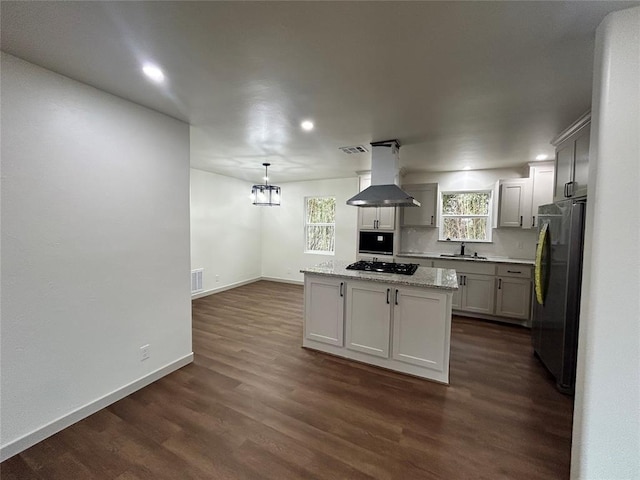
pixel 377 243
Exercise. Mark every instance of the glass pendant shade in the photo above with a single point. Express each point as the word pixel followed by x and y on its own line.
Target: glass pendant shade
pixel 265 195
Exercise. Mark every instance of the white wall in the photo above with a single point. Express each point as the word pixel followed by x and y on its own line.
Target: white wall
pixel 465 180
pixel 225 231
pixel 606 435
pixel 283 228
pixel 506 242
pixel 95 250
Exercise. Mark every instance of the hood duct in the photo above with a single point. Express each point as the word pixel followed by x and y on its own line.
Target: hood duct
pixel 384 190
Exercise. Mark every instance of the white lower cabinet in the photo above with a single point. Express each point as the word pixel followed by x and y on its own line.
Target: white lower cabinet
pixel 324 309
pixel 477 293
pixel 494 291
pixel 418 328
pixel 368 319
pixel 407 329
pixel 512 299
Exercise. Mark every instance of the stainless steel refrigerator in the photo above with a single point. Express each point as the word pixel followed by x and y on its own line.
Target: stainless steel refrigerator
pixel 558 279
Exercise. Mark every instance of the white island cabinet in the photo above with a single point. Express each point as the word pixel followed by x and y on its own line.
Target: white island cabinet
pixel 398 322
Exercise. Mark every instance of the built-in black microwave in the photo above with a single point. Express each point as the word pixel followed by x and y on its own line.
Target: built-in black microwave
pixel 380 243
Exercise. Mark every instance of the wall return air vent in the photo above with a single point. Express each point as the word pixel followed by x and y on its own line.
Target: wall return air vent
pixel 196 280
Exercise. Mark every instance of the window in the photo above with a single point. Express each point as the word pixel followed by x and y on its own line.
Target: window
pixel 320 225
pixel 466 216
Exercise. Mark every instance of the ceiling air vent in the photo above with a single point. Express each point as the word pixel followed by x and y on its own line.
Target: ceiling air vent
pixel 354 149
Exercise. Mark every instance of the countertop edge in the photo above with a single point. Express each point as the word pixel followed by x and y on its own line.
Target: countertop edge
pixel 382 278
pixel 435 256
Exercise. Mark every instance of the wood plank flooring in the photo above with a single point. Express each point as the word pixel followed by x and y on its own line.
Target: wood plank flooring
pixel 255 405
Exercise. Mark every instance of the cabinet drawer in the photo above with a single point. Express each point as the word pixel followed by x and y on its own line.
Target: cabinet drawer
pixel 465 266
pixel 520 271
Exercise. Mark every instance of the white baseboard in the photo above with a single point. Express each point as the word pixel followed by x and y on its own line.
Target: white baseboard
pixel 211 291
pixel 30 439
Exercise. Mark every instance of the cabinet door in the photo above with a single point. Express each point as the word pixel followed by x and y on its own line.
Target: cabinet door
pixel 425 214
pixel 581 163
pixel 386 218
pixel 456 302
pixel 324 309
pixel 367 217
pixel 419 328
pixel 542 187
pixel 478 292
pixel 512 202
pixel 513 297
pixel 564 168
pixel 368 318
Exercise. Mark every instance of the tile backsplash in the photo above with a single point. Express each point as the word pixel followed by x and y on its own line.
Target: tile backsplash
pixel 506 242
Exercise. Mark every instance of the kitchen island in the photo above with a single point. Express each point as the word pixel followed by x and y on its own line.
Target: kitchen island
pixel 399 322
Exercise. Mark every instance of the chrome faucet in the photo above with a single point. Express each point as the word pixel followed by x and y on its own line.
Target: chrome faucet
pixel 462 249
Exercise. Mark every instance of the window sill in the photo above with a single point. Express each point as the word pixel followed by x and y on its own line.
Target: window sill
pixel 314 252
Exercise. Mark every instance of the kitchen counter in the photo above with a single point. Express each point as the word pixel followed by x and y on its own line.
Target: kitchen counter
pixel 438 256
pixel 425 277
pixel 394 321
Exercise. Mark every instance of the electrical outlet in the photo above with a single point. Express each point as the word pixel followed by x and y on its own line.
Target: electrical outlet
pixel 217 278
pixel 519 245
pixel 144 352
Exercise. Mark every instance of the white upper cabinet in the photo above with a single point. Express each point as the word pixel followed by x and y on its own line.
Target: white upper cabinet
pixel 426 214
pixel 375 218
pixel 572 159
pixel 515 202
pixel 541 176
pixel 521 197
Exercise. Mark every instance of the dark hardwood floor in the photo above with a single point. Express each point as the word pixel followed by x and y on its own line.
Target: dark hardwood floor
pixel 254 404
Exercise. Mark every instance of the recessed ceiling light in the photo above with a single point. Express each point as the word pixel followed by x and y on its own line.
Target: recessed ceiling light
pixel 466 167
pixel 307 125
pixel 542 156
pixel 153 72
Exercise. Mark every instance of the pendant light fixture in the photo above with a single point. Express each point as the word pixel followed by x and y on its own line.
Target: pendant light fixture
pixel 265 195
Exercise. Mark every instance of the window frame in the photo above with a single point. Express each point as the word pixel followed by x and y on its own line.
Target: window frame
pixel 324 224
pixel 489 216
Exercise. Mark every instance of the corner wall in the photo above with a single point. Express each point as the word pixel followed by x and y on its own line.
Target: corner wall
pixel 606 429
pixel 95 250
pixel 283 228
pixel 225 231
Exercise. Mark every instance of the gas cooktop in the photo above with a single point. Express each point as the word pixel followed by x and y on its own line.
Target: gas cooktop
pixel 384 267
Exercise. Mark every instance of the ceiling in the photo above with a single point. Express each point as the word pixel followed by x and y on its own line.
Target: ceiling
pixel 478 84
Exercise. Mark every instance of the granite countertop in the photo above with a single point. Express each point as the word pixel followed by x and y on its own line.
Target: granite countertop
pixel 426 277
pixel 438 256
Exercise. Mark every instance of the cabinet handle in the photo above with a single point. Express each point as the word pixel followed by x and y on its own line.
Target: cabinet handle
pixel 533 222
pixel 520 220
pixel 460 280
pixel 396 296
pixel 375 223
pixel 431 219
pixel 513 271
pixel 499 283
pixel 566 190
pixel 341 286
pixel 464 279
pixel 388 291
pixel 570 188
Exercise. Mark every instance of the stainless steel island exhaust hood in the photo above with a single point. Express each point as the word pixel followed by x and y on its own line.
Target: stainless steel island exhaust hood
pixel 384 190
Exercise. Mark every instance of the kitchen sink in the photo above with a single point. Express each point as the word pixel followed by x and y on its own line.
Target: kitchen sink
pixel 463 257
